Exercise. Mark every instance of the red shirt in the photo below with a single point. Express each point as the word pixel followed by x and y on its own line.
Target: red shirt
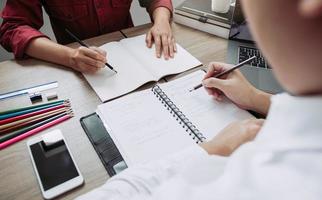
pixel 85 18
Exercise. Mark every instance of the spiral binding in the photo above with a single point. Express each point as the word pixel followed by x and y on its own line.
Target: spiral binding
pixel 176 113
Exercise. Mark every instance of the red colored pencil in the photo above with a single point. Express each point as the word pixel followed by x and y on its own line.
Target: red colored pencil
pixel 34 131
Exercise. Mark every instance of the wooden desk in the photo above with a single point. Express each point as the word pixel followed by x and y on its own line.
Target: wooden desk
pixel 17 179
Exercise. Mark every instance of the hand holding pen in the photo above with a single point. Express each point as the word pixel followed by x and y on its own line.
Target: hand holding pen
pixel 234 86
pixel 88 59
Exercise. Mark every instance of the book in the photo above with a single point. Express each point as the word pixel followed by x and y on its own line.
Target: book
pixel 158 122
pixel 136 65
pixel 198 15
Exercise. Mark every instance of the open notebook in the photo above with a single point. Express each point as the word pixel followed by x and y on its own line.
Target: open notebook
pixel 136 65
pixel 157 122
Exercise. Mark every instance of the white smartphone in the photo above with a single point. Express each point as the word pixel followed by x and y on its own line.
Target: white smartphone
pixel 53 164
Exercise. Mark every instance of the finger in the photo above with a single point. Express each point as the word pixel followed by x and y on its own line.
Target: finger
pixel 220 98
pixel 214 83
pixel 91 62
pixel 311 8
pixel 99 50
pixel 157 41
pixel 209 91
pixel 165 46
pixel 214 68
pixel 83 67
pixel 148 39
pixel 171 47
pixel 217 92
pixel 260 122
pixel 174 44
pixel 91 53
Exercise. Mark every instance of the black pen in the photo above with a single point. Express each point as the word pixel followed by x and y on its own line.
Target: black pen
pixel 83 44
pixel 226 72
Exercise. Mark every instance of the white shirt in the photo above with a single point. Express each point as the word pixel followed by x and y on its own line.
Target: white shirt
pixel 283 162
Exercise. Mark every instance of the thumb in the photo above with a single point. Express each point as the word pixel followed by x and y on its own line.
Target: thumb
pixel 214 83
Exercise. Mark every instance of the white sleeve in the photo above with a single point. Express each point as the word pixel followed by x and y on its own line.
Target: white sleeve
pixel 140 181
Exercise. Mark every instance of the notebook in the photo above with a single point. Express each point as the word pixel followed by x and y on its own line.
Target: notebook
pixel 136 65
pixel 158 122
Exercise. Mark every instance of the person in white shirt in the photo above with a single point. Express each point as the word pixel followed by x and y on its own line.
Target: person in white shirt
pixel 279 158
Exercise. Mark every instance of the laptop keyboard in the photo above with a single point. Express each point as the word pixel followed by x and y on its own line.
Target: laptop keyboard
pixel 247 52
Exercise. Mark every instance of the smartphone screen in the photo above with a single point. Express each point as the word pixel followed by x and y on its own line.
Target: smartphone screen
pixel 54 164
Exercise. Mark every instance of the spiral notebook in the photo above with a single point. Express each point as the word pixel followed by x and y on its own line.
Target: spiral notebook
pixel 158 122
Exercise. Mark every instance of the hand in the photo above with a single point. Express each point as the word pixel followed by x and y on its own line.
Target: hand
pixel 312 8
pixel 88 60
pixel 232 137
pixel 161 34
pixel 235 87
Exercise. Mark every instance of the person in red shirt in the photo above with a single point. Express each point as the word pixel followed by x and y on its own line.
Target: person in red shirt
pixel 19 31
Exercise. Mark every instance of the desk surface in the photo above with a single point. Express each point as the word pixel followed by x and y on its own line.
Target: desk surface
pixel 17 179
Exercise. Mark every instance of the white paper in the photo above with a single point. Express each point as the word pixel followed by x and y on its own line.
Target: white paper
pixel 160 67
pixel 142 128
pixel 130 76
pixel 208 115
pixel 136 65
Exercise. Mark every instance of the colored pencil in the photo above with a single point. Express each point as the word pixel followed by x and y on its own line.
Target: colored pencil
pixel 28 115
pixel 30 120
pixel 34 131
pixel 30 107
pixel 28 128
pixel 9 115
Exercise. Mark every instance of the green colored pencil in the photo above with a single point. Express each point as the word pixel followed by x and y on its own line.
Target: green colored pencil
pixel 30 107
pixel 22 112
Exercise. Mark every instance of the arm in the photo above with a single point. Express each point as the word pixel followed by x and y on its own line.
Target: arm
pixel 236 88
pixel 81 59
pixel 19 34
pixel 144 181
pixel 161 32
pixel 232 137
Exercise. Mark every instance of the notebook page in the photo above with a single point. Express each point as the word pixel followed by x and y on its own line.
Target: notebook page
pixel 142 128
pixel 130 76
pixel 208 115
pixel 159 67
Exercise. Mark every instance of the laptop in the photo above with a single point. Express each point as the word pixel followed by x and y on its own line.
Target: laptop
pixel 241 46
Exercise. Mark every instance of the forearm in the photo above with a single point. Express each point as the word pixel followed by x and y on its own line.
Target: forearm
pixel 45 49
pixel 161 14
pixel 261 102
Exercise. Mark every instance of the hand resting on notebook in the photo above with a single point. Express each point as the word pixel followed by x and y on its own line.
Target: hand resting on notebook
pixel 161 34
pixel 233 136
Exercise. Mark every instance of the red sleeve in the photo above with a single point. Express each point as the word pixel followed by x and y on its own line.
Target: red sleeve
pixel 21 21
pixel 160 3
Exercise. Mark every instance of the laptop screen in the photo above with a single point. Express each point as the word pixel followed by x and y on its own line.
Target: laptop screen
pixel 239 29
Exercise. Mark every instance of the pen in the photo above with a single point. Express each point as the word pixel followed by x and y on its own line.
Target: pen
pixel 226 72
pixel 83 44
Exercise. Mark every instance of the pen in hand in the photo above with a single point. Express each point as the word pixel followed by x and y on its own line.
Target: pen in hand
pixel 83 44
pixel 226 72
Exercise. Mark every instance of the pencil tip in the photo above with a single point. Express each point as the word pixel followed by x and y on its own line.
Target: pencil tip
pixel 191 90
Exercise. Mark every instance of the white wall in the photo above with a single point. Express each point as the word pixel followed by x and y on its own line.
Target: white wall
pixel 139 15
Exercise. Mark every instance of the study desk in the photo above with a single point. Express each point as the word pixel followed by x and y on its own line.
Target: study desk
pixel 17 179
